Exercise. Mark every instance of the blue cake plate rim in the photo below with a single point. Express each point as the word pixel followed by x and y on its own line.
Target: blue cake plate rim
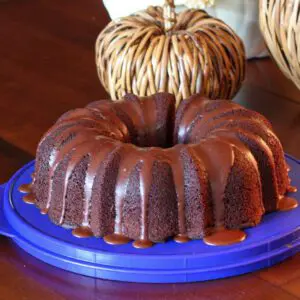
pixel 275 239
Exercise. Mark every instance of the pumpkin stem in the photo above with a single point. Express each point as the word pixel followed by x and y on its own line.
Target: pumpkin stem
pixel 169 14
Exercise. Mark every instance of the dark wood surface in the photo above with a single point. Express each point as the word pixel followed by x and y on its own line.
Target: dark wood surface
pixel 47 67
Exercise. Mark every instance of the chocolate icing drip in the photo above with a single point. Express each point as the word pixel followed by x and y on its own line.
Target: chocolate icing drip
pixel 180 238
pixel 209 117
pixel 224 237
pixel 142 244
pixel 287 203
pixel 190 114
pixel 292 189
pixel 25 188
pixel 96 119
pixel 198 110
pixel 149 117
pixel 58 156
pixel 82 232
pixel 111 117
pixel 83 135
pixel 218 158
pixel 116 239
pixel 145 184
pixel 76 157
pixel 237 137
pixel 96 155
pixel 44 211
pixel 260 128
pixel 129 156
pixel 100 152
pixel 29 199
pixel 125 169
pixel 77 114
pixel 132 109
pixel 221 114
pixel 178 175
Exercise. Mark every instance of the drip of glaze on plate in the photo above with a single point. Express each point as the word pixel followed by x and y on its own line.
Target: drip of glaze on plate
pixel 225 237
pixel 142 244
pixel 82 232
pixel 180 238
pixel 29 198
pixel 292 189
pixel 116 239
pixel 44 211
pixel 287 203
pixel 25 188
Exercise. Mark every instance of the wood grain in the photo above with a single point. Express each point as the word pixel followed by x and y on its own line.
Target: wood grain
pixel 47 66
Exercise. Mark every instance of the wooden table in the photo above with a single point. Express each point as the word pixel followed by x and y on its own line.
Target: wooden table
pixel 47 67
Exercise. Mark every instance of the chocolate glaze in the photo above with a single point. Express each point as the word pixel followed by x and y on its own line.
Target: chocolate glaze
pixel 44 211
pixel 210 117
pixel 82 232
pixel 145 178
pixel 187 121
pixel 25 188
pixel 29 198
pixel 177 170
pixel 181 239
pixel 225 237
pixel 287 203
pixel 229 112
pixel 94 132
pixel 260 129
pixel 116 239
pixel 142 244
pixel 292 189
pixel 130 155
pixel 99 155
pixel 218 158
pixel 79 148
pixel 148 109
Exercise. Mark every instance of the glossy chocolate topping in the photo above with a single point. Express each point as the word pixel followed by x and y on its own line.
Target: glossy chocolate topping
pixel 292 189
pixel 142 244
pixel 130 129
pixel 181 238
pixel 116 239
pixel 225 237
pixel 82 232
pixel 218 157
pixel 25 188
pixel 29 198
pixel 287 203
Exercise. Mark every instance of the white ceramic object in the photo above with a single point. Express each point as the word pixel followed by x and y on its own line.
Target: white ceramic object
pixel 241 15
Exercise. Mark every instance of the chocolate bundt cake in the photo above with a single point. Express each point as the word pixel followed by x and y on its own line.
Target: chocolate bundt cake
pixel 138 170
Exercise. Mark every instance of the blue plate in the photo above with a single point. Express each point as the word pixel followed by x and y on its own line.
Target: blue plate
pixel 276 238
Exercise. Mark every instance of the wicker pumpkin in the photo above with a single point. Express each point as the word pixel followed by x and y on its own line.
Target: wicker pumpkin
pixel 158 50
pixel 280 23
pixel 241 16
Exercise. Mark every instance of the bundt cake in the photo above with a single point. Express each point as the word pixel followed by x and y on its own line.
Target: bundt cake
pixel 138 170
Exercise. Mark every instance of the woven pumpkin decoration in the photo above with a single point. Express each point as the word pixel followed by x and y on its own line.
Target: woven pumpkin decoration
pixel 157 50
pixel 280 23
